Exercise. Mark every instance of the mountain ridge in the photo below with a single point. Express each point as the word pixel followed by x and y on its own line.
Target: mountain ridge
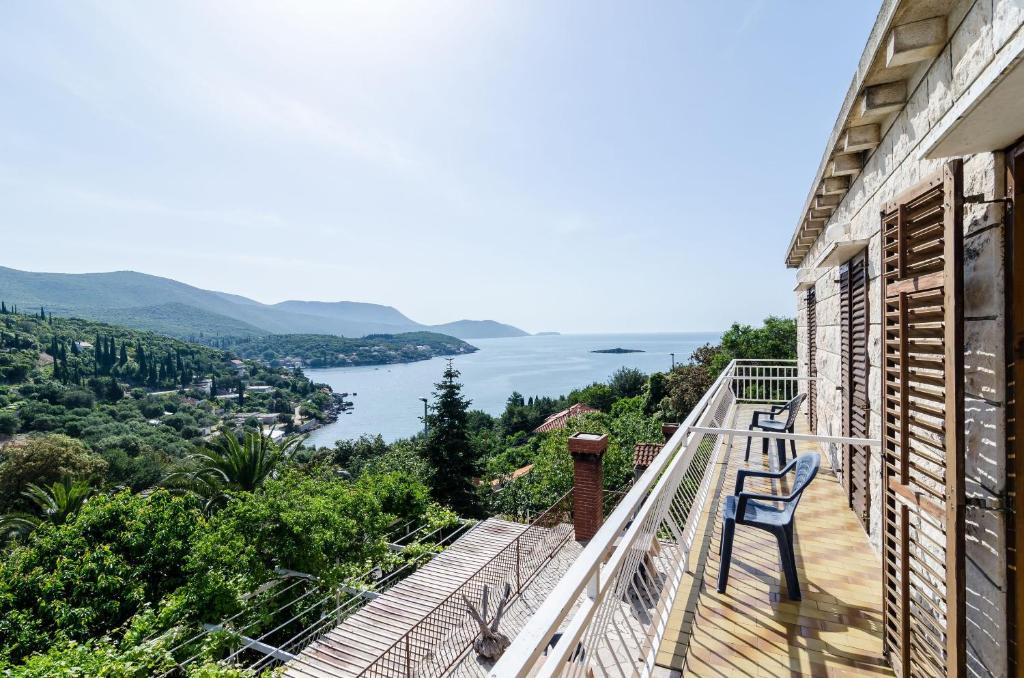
pixel 162 305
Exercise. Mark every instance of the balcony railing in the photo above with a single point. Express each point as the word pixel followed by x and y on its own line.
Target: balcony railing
pixel 609 612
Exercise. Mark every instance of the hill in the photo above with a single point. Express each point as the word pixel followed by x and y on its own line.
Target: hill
pixel 170 307
pixel 479 329
pixel 324 350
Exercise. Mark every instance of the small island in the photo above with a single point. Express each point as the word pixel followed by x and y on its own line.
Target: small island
pixel 617 350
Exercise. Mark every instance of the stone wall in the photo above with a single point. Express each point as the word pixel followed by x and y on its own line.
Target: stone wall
pixel 979 29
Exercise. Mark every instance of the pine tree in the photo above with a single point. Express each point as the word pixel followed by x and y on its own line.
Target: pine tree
pixel 448 449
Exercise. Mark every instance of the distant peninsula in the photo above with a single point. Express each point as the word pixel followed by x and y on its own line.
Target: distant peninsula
pixel 617 350
pixel 547 334
pixel 325 350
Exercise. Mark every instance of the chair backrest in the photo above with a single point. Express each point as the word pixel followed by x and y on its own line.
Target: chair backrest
pixel 806 467
pixel 793 408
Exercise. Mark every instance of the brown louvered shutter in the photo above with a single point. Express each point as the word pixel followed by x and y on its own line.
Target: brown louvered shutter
pixel 812 360
pixel 923 536
pixel 853 294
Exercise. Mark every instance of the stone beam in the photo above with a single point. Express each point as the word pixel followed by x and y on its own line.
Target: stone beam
pixel 861 138
pixel 821 214
pixel 835 185
pixel 823 201
pixel 846 164
pixel 913 42
pixel 881 99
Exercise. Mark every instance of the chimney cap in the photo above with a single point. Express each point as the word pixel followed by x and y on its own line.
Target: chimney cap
pixel 588 443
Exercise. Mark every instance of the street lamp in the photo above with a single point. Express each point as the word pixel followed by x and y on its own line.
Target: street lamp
pixel 424 415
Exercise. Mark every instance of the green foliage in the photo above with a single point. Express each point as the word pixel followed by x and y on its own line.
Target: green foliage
pixel 448 449
pixel 627 382
pixel 89 575
pixel 100 658
pixel 8 423
pixel 41 460
pixel 232 465
pixel 54 504
pixel 775 339
pixel 328 350
pixel 686 384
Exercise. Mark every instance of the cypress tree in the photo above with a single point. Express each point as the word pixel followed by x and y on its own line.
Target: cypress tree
pixel 448 449
pixel 123 358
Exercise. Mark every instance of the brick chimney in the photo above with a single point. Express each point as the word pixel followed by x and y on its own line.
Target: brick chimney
pixel 587 450
pixel 669 430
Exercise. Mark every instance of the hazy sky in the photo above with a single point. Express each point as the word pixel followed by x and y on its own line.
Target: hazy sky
pixel 572 166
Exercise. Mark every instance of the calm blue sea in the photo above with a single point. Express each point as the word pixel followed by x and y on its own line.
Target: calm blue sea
pixel 387 399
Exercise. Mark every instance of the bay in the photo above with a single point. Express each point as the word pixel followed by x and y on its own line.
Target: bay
pixel 387 399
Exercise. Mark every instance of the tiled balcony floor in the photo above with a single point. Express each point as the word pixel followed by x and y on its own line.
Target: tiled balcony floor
pixel 754 629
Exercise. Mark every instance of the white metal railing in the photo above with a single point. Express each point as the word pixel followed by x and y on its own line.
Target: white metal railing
pixel 608 613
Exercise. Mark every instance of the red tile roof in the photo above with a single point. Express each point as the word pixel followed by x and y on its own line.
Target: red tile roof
pixel 560 419
pixel 518 473
pixel 644 453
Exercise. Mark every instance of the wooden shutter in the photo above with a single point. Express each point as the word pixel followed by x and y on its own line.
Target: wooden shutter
pixel 812 360
pixel 853 293
pixel 923 535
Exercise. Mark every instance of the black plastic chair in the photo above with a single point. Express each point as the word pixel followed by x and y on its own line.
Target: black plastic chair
pixel 759 422
pixel 748 508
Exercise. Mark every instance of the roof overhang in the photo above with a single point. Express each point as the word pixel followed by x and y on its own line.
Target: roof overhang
pixel 990 114
pixel 905 38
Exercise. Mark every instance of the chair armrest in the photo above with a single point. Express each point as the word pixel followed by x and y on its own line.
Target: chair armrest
pixel 779 409
pixel 744 473
pixel 759 413
pixel 743 497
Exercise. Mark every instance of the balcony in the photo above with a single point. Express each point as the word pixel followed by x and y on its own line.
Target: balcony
pixel 641 599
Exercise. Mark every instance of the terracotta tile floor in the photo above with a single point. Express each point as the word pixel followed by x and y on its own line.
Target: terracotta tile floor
pixel 754 629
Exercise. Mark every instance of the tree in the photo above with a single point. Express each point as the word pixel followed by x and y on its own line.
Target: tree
pixel 775 339
pixel 8 423
pixel 448 449
pixel 54 504
pixel 627 382
pixel 684 387
pixel 44 459
pixel 233 465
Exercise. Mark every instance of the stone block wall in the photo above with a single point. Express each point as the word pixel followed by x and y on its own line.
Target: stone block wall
pixel 979 29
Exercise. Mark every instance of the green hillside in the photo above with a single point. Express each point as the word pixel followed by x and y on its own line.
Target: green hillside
pixel 138 400
pixel 325 350
pixel 170 307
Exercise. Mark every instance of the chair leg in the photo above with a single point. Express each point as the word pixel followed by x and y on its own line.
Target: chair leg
pixel 750 439
pixel 780 448
pixel 725 549
pixel 792 443
pixel 788 563
pixel 764 446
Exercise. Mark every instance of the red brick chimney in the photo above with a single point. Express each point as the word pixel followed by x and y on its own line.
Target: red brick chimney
pixel 669 430
pixel 587 450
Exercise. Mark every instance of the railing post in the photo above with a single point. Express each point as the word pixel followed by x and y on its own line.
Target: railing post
pixel 519 581
pixel 408 659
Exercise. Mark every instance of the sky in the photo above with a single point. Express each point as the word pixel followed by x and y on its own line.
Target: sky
pixel 576 166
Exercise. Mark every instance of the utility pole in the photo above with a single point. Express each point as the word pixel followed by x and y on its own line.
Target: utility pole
pixel 424 415
pixel 673 360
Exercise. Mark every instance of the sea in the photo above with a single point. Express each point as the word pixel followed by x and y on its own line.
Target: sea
pixel 387 398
